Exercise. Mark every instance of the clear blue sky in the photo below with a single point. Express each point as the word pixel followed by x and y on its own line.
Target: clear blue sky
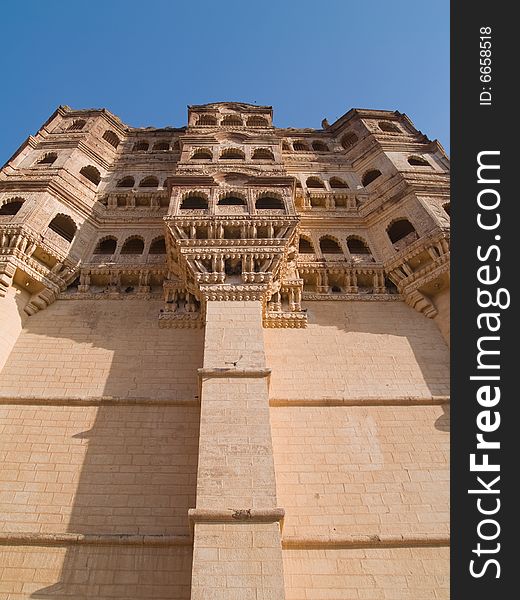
pixel 146 60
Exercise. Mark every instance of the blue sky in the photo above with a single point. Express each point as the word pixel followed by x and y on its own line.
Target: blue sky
pixel 146 60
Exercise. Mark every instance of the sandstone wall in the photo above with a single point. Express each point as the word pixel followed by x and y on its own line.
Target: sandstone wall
pixel 358 350
pixel 357 463
pixel 126 469
pixel 12 318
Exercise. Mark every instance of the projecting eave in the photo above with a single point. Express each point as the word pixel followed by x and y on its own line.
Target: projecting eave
pixel 242 106
pixel 361 113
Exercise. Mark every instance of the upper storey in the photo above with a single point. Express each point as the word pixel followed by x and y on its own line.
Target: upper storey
pixel 93 156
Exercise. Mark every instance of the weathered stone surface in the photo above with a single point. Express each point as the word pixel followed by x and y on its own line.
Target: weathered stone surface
pixel 224 358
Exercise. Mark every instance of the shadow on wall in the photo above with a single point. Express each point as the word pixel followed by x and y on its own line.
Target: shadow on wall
pixel 359 350
pixel 392 323
pixel 443 422
pixel 119 470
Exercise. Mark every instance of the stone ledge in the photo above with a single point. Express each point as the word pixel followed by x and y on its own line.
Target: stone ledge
pixel 65 539
pixel 235 515
pixel 95 401
pixel 228 372
pixel 365 541
pixel 369 401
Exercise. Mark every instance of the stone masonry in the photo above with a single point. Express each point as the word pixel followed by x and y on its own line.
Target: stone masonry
pixel 224 359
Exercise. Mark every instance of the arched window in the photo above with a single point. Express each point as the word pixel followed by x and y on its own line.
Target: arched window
pixel 357 246
pixel 158 246
pixel 320 146
pixel 77 125
pixel 161 146
pixel 149 182
pixel 314 182
pixel 389 127
pixel 202 154
pixel 370 176
pixel 348 140
pixel 418 161
pixel 286 146
pixel 92 174
pixel 257 121
pixel 232 201
pixel 126 182
pixel 269 203
pixel 337 183
pixel 48 159
pixel 111 138
pixel 305 246
pixel 133 245
pixel 300 147
pixel 329 245
pixel 141 146
pixel 232 121
pixel 206 120
pixel 401 229
pixel 232 154
pixel 12 206
pixel 64 226
pixel 194 202
pixel 262 154
pixel 106 246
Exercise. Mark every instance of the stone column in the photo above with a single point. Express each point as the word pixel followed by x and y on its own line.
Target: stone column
pixel 237 542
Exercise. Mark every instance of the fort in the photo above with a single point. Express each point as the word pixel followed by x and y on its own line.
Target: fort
pixel 224 354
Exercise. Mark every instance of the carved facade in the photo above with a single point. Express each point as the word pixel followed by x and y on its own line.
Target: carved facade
pixel 228 208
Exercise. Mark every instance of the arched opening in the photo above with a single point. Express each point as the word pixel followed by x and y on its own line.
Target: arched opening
pixel 305 246
pixel 257 121
pixel 92 174
pixel 11 207
pixel 329 245
pixel 320 146
pixel 149 182
pixel 194 202
pixel 269 203
pixel 161 146
pixel 314 183
pixel 358 247
pixel 111 138
pixel 300 147
pixel 64 226
pixel 202 154
pixel 370 176
pixel 233 266
pixel 232 121
pixel 158 246
pixel 141 146
pixel 418 161
pixel 263 154
pixel 446 208
pixel 126 182
pixel 206 120
pixel 286 146
pixel 133 245
pixel 337 183
pixel 401 229
pixel 232 154
pixel 389 127
pixel 106 246
pixel 348 140
pixel 77 125
pixel 48 159
pixel 232 201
